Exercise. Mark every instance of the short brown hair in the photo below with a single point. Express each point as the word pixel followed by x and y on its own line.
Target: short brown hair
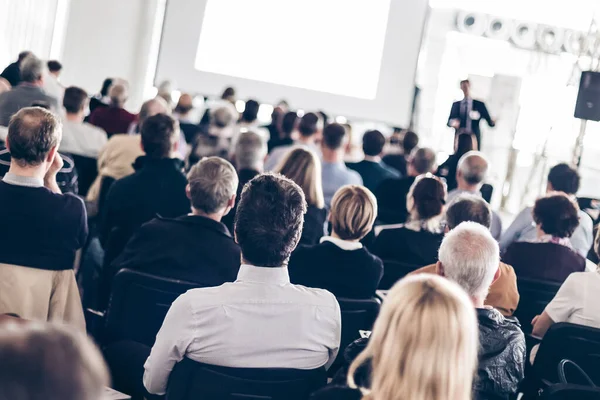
pixel 333 136
pixel 74 99
pixel 557 214
pixel 353 212
pixel 32 133
pixel 212 181
pixel 159 132
pixel 373 143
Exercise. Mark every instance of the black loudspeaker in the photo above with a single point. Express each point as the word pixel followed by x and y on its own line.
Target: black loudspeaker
pixel 588 99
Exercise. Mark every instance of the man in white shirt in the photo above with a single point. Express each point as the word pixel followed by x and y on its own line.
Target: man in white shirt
pixel 80 138
pixel 261 320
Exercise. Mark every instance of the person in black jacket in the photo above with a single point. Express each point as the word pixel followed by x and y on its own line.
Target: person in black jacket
pixel 156 187
pixel 372 170
pixel 447 170
pixel 12 73
pixel 340 263
pixel 196 247
pixel 465 115
pixel 304 167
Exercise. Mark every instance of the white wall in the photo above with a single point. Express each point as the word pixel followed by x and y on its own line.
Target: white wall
pixel 109 38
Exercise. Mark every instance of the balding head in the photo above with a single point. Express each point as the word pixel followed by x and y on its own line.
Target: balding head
pixel 150 108
pixel 470 256
pixel 33 136
pixel 32 70
pixel 472 170
pixel 422 162
pixel 184 104
pixel 118 94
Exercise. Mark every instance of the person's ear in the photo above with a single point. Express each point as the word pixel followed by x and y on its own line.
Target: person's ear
pixel 496 275
pixel 446 229
pixel 51 155
pixel 188 191
pixel 439 269
pixel 230 205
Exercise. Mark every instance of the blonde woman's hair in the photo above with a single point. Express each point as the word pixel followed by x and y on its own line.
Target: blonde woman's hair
pixel 353 212
pixel 424 343
pixel 304 167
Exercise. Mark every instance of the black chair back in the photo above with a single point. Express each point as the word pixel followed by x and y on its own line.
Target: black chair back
pixel 138 305
pixel 487 191
pixel 87 169
pixel 393 271
pixel 580 344
pixel 191 381
pixel 534 297
pixel 571 392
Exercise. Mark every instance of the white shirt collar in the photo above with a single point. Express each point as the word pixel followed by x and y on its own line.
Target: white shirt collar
pixel 269 275
pixel 342 244
pixel 28 181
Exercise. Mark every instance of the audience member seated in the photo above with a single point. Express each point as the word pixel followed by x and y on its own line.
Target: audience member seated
pixel 550 257
pixel 464 143
pixel 44 228
pixel 576 301
pixel 182 110
pixel 309 129
pixel 261 320
pixel 249 121
pixel 217 140
pixel 503 294
pixel 302 166
pixel 392 193
pixel 49 362
pixel 562 178
pixel 114 118
pixel 196 247
pixel 116 159
pixel 52 86
pixel 372 170
pixel 286 126
pixel 249 157
pixel 399 159
pixel 471 172
pixel 101 100
pixel 423 346
pixel 80 138
pixel 340 263
pixel 416 242
pixel 156 188
pixel 335 174
pixel 28 91
pixel 12 73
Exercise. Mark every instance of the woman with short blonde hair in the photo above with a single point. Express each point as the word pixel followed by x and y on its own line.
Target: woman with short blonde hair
pixel 303 166
pixel 340 263
pixel 423 346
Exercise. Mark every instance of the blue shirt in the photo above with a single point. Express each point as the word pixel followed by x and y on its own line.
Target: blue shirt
pixel 336 175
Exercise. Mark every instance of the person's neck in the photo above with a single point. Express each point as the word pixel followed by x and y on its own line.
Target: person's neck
pixel 332 156
pixel 375 159
pixel 258 168
pixel 37 84
pixel 214 216
pixel 77 117
pixel 308 140
pixel 467 187
pixel 38 171
pixel 478 302
pixel 335 235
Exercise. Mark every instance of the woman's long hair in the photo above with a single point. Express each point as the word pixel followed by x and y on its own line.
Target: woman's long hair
pixel 304 167
pixel 424 343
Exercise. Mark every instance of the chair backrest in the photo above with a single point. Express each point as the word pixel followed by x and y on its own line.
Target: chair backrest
pixel 87 168
pixel 534 297
pixel 580 344
pixel 138 305
pixel 393 271
pixel 192 380
pixel 570 392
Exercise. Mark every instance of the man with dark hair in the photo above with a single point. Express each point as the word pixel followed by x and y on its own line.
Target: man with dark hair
pixel 503 295
pixel 45 228
pixel 399 159
pixel 391 193
pixel 561 178
pixel 12 73
pixel 372 170
pixel 80 138
pixel 156 187
pixel 28 91
pixel 101 99
pixel 334 172
pixel 261 320
pixel 308 129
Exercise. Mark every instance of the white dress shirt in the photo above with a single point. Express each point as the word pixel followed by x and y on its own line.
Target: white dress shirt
pixel 577 300
pixel 82 139
pixel 259 321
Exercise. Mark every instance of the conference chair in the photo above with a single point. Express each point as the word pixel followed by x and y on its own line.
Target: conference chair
pixel 487 191
pixel 138 305
pixel 571 392
pixel 191 380
pixel 534 297
pixel 87 169
pixel 393 271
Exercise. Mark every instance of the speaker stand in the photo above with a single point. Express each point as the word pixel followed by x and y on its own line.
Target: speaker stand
pixel 578 149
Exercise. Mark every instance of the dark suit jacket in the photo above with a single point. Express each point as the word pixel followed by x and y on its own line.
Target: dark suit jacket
pixel 314 223
pixel 479 106
pixel 397 162
pixel 391 200
pixel 12 74
pixel 373 173
pixel 244 176
pixel 448 171
pixel 353 274
pixel 543 261
pixel 404 245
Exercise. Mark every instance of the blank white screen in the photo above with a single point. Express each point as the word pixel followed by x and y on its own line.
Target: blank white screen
pixel 235 44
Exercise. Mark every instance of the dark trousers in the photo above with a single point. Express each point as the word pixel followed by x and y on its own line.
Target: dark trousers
pixel 477 137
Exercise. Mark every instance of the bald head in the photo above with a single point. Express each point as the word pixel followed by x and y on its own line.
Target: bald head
pixel 422 162
pixel 472 170
pixel 152 107
pixel 185 104
pixel 33 136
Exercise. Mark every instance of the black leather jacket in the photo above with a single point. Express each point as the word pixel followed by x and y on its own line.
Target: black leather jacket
pixel 501 357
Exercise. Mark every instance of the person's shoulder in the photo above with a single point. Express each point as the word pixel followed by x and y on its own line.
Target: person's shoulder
pixel 354 177
pixel 92 129
pixel 315 297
